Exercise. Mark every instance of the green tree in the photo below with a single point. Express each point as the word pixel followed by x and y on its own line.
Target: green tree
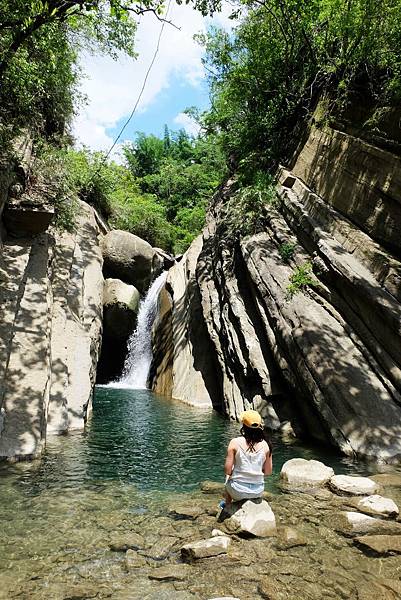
pixel 267 76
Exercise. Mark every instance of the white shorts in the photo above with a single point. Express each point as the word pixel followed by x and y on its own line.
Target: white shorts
pixel 242 491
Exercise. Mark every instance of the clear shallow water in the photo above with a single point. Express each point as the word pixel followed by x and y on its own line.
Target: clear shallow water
pixel 140 454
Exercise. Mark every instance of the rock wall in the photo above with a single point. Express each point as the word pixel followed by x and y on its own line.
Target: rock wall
pixel 183 365
pixel 50 333
pixel 328 358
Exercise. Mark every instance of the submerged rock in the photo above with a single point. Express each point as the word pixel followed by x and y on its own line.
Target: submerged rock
pixel 299 473
pixel 255 519
pixel 353 486
pixel 126 541
pixel 355 523
pixel 289 538
pixel 212 487
pixel 381 545
pixel 170 573
pixel 205 548
pixel 133 560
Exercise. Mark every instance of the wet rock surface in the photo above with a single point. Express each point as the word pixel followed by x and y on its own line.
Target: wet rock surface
pixel 115 553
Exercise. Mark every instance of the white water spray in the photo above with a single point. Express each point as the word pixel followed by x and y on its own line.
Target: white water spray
pixel 139 356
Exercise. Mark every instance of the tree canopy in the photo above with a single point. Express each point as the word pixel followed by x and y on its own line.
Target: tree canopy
pixel 267 76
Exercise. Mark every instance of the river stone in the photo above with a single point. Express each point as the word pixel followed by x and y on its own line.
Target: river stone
pixel 289 538
pixel 270 590
pixel 133 560
pixel 255 519
pixel 212 487
pixel 352 485
pixel 299 473
pixel 170 572
pixel 355 523
pixel 187 511
pixel 129 258
pixel 378 505
pixel 381 545
pixel 217 532
pixel 224 598
pixel 126 541
pixel 205 548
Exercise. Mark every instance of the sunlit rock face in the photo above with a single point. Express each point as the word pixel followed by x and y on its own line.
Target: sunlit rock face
pixel 327 358
pixel 51 298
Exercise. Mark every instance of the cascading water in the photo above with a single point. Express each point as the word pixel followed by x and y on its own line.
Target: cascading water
pixel 139 356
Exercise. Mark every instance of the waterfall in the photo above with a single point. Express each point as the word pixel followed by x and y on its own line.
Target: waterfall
pixel 139 356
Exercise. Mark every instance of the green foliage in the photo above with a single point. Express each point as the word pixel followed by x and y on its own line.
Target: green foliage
pixel 286 251
pixel 93 178
pixel 245 212
pixel 301 279
pixel 267 75
pixel 180 173
pixel 51 185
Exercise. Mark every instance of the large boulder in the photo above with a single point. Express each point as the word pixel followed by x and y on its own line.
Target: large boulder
pixel 120 308
pixel 129 258
pixel 299 473
pixel 253 518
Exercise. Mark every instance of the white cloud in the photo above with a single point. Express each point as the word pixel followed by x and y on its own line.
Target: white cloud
pixel 187 123
pixel 112 87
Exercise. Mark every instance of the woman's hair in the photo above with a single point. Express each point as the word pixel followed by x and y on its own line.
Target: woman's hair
pixel 253 435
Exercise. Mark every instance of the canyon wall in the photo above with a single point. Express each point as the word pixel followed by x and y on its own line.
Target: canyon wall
pixel 328 357
pixel 50 322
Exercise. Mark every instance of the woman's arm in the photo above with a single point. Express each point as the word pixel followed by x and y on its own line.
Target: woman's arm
pixel 268 464
pixel 230 458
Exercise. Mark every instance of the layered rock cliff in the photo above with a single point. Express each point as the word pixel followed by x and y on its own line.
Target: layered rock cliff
pixel 50 333
pixel 327 358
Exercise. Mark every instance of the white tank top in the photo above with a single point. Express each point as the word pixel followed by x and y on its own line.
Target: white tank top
pixel 248 465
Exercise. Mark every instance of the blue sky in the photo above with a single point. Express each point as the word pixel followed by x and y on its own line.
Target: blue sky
pixel 177 81
pixel 164 109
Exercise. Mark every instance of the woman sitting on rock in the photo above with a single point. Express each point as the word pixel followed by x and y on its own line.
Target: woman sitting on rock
pixel 248 460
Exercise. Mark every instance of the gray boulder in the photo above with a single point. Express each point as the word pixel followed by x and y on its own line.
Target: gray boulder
pixel 129 258
pixel 120 302
pixel 255 519
pixel 353 486
pixel 299 473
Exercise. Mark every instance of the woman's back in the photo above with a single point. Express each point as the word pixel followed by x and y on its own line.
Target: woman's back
pixel 249 461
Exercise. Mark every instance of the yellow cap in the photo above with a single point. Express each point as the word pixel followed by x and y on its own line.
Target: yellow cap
pixel 251 418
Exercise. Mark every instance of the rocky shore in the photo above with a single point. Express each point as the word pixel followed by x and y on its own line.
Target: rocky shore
pixel 322 536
